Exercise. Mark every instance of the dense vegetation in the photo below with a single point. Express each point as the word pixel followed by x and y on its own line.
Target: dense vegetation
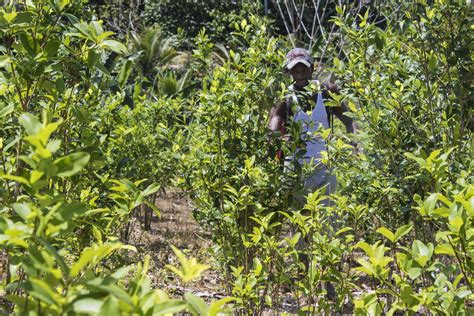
pixel 95 123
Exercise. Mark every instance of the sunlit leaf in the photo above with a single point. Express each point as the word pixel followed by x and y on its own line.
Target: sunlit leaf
pixel 386 233
pixel 189 268
pixel 114 46
pixel 71 164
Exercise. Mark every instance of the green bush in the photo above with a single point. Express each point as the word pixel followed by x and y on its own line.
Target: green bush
pixel 64 197
pixel 414 142
pixel 411 96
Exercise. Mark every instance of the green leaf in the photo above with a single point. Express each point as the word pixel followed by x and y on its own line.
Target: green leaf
pixel 17 299
pixel 294 239
pixel 386 233
pixel 42 291
pixel 70 210
pixel 402 231
pixel 4 61
pixel 216 307
pixel 197 305
pixel 420 161
pixel 406 293
pixel 457 280
pixel 52 47
pixel 23 210
pixel 125 73
pixel 61 4
pixel 45 132
pixel 114 290
pixel 28 43
pixel 152 188
pixel 103 69
pixel 4 111
pixel 464 293
pixel 110 306
pixel 24 17
pixel 53 145
pixel 57 256
pixel 15 178
pixel 39 149
pixel 456 222
pixel 379 41
pixel 36 176
pixel 444 249
pixel 60 85
pixel 433 62
pixel 343 230
pixel 414 272
pixel 231 190
pixel 84 31
pixel 72 18
pixel 121 272
pixel 9 16
pixel 189 268
pixel 94 254
pixel 422 253
pixel 71 164
pixel 366 267
pixel 369 250
pixel 430 203
pixel 104 35
pixel 87 306
pixel 114 46
pixel 93 58
pixel 169 307
pixel 30 123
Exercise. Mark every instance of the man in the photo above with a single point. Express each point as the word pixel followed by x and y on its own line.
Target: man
pixel 306 107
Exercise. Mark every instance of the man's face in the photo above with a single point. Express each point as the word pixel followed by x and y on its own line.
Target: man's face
pixel 301 72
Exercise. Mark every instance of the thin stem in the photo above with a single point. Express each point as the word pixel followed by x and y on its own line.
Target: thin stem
pixel 461 265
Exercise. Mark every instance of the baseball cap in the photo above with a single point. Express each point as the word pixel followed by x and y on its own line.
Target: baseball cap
pixel 298 55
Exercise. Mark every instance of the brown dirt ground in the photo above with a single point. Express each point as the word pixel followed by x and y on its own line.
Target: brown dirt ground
pixel 176 226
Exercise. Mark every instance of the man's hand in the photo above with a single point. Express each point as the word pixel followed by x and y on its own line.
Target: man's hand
pixel 356 149
pixel 339 111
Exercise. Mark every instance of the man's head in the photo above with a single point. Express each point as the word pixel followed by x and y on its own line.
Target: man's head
pixel 299 64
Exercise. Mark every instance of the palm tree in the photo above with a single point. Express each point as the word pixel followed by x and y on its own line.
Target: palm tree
pixel 169 84
pixel 154 49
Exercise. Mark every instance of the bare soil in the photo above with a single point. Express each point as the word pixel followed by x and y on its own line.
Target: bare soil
pixel 176 226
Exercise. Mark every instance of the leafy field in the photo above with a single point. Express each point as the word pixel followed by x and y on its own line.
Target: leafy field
pixel 138 175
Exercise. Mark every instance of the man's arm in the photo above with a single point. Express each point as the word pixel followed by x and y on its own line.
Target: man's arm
pixel 277 117
pixel 348 122
pixel 339 111
pixel 277 124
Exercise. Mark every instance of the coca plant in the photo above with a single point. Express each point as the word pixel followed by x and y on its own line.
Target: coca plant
pixel 62 209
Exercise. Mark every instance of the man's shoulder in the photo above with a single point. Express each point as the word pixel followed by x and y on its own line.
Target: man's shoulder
pixel 279 108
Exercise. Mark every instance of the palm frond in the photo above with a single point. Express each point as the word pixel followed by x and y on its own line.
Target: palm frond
pixel 155 49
